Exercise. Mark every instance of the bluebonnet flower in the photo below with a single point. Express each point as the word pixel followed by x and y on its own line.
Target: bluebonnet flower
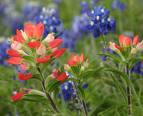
pixel 79 25
pixel 3 6
pixel 67 91
pixel 11 18
pixel 70 40
pixel 14 21
pixel 94 2
pixel 85 85
pixel 4 46
pixel 85 7
pixel 78 30
pixel 57 1
pixel 50 17
pixel 31 10
pixel 100 22
pixel 117 4
pixel 138 68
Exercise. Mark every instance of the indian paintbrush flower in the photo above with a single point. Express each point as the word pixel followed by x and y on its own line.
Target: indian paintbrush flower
pixel 29 43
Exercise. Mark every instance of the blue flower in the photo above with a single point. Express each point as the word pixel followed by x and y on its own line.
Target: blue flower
pixel 69 40
pixel 4 46
pixel 117 4
pixel 85 86
pixel 79 26
pixel 138 68
pixel 78 30
pixel 100 23
pixel 3 6
pixel 85 7
pixel 50 17
pixel 67 91
pixel 57 1
pixel 31 10
pixel 14 22
pixel 94 2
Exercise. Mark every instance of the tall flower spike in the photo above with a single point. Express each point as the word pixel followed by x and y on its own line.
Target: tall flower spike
pixel 4 46
pixel 51 19
pixel 100 23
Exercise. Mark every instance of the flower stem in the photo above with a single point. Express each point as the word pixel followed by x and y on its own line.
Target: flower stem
pixel 47 94
pixel 129 93
pixel 84 108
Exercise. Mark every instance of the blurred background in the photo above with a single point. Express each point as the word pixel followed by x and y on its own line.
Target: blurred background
pixel 68 20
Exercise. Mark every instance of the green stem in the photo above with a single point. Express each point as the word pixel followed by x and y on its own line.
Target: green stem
pixel 92 42
pixel 129 92
pixel 84 108
pixel 119 86
pixel 104 42
pixel 47 94
pixel 136 96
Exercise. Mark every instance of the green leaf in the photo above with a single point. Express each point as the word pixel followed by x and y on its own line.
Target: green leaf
pixel 81 91
pixel 36 76
pixel 91 72
pixel 73 79
pixel 53 84
pixel 116 71
pixel 35 95
pixel 75 69
pixel 133 61
pixel 115 58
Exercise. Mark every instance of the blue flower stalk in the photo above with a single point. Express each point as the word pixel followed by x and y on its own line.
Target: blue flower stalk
pixel 118 4
pixel 51 19
pixel 67 91
pixel 31 10
pixel 4 46
pixel 100 21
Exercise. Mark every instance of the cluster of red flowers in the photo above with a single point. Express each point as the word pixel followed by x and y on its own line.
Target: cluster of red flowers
pixel 126 42
pixel 29 43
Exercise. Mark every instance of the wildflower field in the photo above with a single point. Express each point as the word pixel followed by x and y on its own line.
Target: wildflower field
pixel 71 57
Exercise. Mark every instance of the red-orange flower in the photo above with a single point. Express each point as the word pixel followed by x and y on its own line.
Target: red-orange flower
pixel 19 37
pixel 56 43
pixel 136 40
pixel 59 52
pixel 24 77
pixel 15 60
pixel 125 41
pixel 76 59
pixel 34 31
pixel 60 76
pixel 34 44
pixel 44 59
pixel 18 96
pixel 13 53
